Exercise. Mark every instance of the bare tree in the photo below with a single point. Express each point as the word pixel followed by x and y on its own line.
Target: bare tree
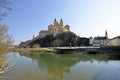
pixel 4 8
pixel 5 39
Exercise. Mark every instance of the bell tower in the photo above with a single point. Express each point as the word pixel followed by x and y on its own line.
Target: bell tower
pixel 106 34
pixel 55 21
pixel 61 23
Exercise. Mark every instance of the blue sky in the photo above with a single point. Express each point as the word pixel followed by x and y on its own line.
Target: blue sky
pixel 86 17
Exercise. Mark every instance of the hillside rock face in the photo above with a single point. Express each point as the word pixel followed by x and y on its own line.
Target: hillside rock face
pixel 115 41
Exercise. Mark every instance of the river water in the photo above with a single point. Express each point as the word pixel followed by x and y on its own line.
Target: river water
pixel 61 67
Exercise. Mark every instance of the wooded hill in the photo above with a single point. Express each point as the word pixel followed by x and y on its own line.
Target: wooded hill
pixel 64 39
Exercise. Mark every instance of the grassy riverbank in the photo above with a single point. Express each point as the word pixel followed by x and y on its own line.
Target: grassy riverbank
pixel 27 50
pixel 4 50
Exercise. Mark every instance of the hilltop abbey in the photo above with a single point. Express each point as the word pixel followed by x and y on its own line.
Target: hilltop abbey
pixel 58 27
pixel 55 28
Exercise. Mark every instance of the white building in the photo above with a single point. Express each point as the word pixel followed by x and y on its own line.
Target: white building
pixel 43 33
pixel 99 41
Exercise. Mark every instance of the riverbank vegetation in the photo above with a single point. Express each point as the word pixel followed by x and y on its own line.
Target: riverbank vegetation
pixel 5 39
pixel 31 50
pixel 3 64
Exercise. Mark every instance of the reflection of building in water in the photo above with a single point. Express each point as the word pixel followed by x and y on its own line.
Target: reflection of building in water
pixel 55 28
pixel 55 65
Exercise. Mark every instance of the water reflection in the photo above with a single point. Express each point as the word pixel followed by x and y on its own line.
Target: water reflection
pixel 58 65
pixel 37 66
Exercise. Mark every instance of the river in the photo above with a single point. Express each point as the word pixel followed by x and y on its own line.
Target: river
pixel 61 67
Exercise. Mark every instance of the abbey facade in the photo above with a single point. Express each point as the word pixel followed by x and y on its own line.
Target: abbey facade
pixel 55 28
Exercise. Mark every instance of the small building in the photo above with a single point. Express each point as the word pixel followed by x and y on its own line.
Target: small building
pixel 43 33
pixel 99 41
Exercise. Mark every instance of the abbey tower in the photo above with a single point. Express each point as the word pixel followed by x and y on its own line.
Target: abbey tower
pixel 58 27
pixel 55 28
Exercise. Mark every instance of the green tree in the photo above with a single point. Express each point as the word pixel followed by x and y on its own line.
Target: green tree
pixel 57 43
pixel 67 38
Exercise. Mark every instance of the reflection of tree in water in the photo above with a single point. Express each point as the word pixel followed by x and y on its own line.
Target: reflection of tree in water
pixel 4 65
pixel 58 65
pixel 3 61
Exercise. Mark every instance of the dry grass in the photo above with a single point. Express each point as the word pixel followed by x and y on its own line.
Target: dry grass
pixel 4 50
pixel 32 50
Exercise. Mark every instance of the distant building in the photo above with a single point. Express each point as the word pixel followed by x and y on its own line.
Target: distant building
pixel 54 29
pixel 43 33
pixel 57 27
pixel 99 41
